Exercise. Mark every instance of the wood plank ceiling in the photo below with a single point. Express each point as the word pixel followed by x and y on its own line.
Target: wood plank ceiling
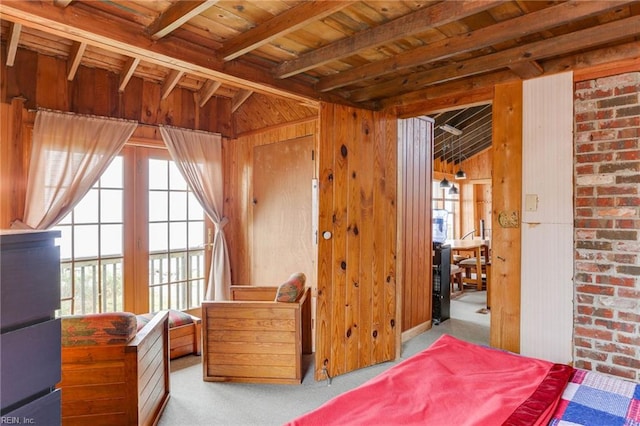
pixel 370 54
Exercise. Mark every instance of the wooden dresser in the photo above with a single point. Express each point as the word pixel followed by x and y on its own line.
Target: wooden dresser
pixel 29 331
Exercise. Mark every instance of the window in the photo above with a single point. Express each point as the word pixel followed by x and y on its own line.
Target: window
pixel 176 230
pixel 104 240
pixel 91 248
pixel 442 199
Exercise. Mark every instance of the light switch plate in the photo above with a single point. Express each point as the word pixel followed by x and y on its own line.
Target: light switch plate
pixel 531 202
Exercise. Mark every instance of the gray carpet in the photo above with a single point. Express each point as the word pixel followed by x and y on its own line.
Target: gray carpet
pixel 471 306
pixel 194 402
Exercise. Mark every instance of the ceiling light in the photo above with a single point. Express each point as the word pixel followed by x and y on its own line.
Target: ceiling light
pixel 444 183
pixel 453 190
pixel 460 174
pixel 450 129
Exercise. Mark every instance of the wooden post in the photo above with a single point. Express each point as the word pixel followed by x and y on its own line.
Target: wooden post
pixel 13 163
pixel 507 196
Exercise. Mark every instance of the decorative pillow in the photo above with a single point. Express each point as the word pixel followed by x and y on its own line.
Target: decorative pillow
pixel 291 288
pixel 176 318
pixel 98 329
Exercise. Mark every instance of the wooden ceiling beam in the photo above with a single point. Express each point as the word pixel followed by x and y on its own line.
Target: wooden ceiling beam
pixel 527 69
pixel 75 58
pixel 127 72
pixel 208 89
pixel 603 62
pixel 170 83
pixel 176 15
pixel 115 35
pixel 240 98
pixel 571 42
pixel 416 22
pixel 280 25
pixel 14 38
pixel 592 64
pixel 498 33
pixel 453 95
pixel 62 3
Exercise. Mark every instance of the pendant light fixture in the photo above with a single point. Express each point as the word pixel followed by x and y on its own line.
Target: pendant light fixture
pixel 450 129
pixel 460 174
pixel 454 189
pixel 444 183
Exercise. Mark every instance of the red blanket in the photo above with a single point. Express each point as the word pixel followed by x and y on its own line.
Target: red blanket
pixel 451 383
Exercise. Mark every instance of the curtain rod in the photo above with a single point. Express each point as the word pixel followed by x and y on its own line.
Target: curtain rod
pixel 125 120
pixel 102 117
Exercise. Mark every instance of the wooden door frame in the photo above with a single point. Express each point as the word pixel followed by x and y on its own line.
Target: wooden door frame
pixel 507 140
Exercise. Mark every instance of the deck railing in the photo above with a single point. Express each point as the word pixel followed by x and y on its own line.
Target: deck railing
pixel 91 285
pixel 176 280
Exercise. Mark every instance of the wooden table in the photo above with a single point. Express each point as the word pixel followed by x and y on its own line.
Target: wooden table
pixel 477 247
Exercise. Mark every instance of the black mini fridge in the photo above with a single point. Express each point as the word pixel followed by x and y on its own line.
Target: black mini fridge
pixel 441 285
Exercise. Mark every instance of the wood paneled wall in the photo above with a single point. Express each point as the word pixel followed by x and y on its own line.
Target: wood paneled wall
pixel 475 202
pixel 414 206
pixel 356 310
pixel 14 155
pixel 238 160
pixel 479 166
pixel 476 167
pixel 42 81
pixel 262 111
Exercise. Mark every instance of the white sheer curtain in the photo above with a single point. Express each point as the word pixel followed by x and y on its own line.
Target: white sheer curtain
pixel 69 153
pixel 198 156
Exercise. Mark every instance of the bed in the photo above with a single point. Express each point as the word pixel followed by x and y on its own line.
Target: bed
pixel 454 382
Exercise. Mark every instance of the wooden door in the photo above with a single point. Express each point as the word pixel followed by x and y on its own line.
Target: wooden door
pixel 282 236
pixel 356 322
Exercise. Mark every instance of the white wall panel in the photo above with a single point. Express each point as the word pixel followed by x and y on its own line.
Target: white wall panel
pixel 547 292
pixel 547 152
pixel 547 218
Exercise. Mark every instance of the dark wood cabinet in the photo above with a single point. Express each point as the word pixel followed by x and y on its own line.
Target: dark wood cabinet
pixel 29 332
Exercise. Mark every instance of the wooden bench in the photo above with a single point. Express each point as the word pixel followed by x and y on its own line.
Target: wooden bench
pixel 110 382
pixel 254 339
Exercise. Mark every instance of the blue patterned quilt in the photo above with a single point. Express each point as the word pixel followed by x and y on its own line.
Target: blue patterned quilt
pixel 594 399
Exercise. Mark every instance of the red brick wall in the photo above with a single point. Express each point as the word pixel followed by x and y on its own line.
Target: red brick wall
pixel 607 225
